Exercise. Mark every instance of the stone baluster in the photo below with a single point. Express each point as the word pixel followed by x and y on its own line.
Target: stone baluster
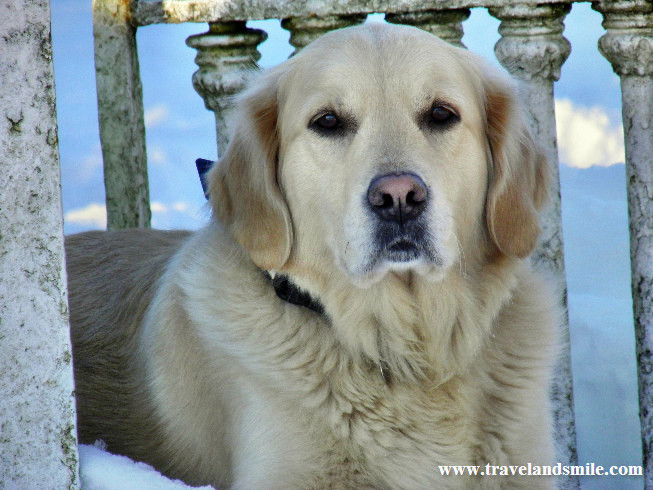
pixel 38 440
pixel 120 111
pixel 533 49
pixel 446 24
pixel 224 55
pixel 304 30
pixel 628 46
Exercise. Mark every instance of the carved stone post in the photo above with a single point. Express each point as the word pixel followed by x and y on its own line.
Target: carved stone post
pixel 38 440
pixel 628 45
pixel 533 49
pixel 224 54
pixel 304 30
pixel 120 111
pixel 446 24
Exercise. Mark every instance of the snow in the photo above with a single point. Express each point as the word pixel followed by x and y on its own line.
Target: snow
pixel 101 470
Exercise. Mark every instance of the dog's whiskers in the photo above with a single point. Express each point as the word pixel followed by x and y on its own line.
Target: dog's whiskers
pixel 462 263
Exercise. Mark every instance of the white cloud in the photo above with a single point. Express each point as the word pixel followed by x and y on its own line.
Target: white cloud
pixel 180 206
pixel 587 136
pixel 90 165
pixel 156 115
pixel 94 215
pixel 158 207
pixel 156 155
pixel 186 125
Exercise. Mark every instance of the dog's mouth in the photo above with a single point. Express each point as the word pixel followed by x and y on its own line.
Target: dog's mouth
pixel 392 246
pixel 401 250
pixel 406 252
pixel 402 244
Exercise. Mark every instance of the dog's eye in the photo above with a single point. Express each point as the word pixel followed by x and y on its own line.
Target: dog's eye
pixel 329 124
pixel 328 121
pixel 441 115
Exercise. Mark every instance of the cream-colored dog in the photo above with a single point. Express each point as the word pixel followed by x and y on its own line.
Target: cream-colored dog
pixel 359 311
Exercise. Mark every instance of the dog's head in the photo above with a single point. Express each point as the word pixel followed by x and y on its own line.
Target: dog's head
pixel 380 148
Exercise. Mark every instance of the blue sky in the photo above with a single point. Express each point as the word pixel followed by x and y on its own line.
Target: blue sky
pixel 179 130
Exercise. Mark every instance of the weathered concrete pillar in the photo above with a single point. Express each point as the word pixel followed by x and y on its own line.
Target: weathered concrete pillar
pixel 304 30
pixel 120 111
pixel 224 54
pixel 533 49
pixel 628 45
pixel 38 443
pixel 446 24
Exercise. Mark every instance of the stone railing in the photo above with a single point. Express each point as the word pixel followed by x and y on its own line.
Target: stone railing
pixel 531 46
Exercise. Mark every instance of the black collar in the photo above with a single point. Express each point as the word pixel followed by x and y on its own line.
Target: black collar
pixel 291 293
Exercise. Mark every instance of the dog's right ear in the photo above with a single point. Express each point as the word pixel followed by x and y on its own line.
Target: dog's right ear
pixel 244 187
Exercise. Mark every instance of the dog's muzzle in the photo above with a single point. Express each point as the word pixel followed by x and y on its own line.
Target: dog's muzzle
pixel 398 201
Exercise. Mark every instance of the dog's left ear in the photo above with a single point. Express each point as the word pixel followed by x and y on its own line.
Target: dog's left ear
pixel 519 173
pixel 243 186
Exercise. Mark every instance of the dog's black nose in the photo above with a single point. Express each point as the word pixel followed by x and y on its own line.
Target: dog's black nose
pixel 398 197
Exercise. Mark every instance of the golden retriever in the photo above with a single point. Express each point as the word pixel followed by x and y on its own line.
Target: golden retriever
pixel 360 309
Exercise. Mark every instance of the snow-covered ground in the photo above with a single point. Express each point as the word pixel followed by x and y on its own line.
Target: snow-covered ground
pixel 100 470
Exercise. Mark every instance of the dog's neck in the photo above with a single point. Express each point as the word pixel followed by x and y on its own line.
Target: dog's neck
pixel 410 329
pixel 407 328
pixel 290 292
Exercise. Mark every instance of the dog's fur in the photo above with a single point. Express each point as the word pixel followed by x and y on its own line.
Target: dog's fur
pixel 185 358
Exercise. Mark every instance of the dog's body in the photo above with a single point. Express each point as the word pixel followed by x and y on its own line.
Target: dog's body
pixel 387 175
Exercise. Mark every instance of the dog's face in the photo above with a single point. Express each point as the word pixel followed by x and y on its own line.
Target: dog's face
pixel 383 148
pixel 380 148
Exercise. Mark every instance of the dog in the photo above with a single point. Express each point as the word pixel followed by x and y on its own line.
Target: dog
pixel 360 310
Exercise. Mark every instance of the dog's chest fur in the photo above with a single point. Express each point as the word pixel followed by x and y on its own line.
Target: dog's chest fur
pixel 298 409
pixel 359 433
pixel 393 437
